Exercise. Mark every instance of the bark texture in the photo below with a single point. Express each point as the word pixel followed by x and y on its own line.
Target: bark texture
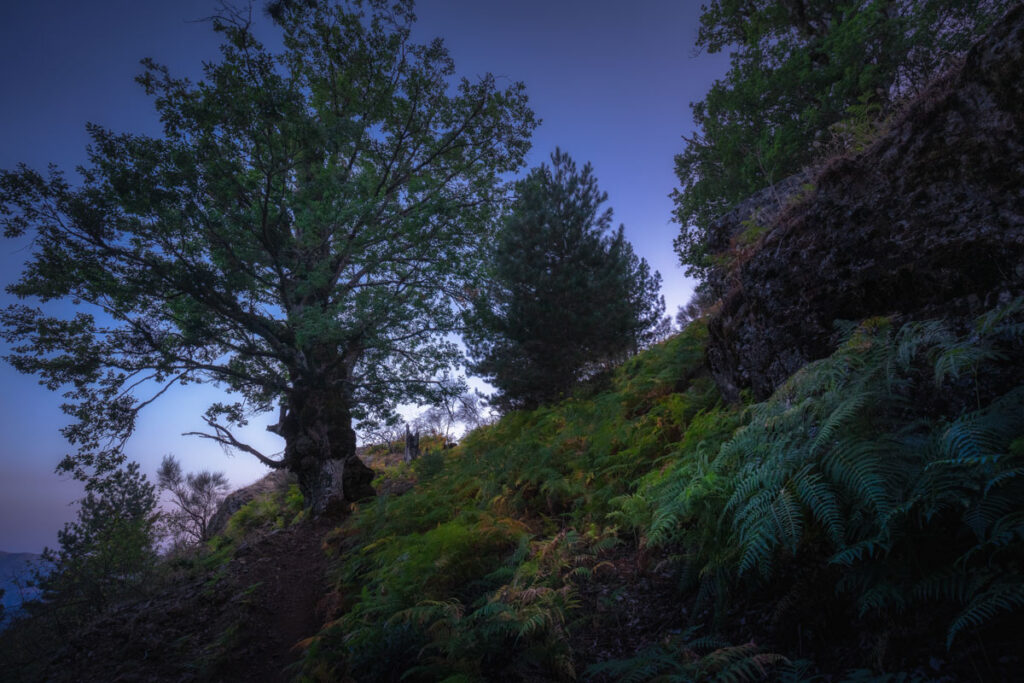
pixel 320 448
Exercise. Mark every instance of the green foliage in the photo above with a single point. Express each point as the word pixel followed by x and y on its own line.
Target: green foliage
pixel 845 456
pixel 888 473
pixel 685 658
pixel 804 76
pixel 474 572
pixel 268 511
pixel 107 553
pixel 296 234
pixel 565 298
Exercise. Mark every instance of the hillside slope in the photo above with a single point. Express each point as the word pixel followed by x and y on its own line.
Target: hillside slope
pixel 839 525
pixel 773 493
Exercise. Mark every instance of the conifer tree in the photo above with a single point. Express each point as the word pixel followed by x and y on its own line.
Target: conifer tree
pixel 567 295
pixel 109 550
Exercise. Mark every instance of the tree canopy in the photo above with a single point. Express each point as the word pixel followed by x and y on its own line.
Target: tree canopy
pixel 797 70
pixel 296 235
pixel 566 293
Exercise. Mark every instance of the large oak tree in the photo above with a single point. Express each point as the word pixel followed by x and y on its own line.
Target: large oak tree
pixel 297 235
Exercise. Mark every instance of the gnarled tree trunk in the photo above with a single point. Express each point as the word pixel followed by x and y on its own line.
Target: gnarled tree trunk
pixel 320 448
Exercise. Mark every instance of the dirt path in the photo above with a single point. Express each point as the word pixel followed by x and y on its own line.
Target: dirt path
pixel 282 578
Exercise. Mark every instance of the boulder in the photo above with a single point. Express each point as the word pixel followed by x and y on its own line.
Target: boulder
pixel 927 222
pixel 275 481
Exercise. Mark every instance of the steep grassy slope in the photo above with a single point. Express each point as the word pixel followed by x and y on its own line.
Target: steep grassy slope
pixel 863 523
pixel 866 516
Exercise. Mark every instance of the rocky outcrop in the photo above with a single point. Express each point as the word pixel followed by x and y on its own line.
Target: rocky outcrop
pixel 927 222
pixel 757 211
pixel 277 480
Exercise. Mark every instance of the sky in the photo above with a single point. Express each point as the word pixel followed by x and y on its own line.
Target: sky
pixel 611 81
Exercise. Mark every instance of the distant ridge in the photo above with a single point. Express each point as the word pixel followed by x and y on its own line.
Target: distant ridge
pixel 15 570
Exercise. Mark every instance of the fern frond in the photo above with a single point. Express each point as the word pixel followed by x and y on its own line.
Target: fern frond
pixel 987 511
pixel 913 337
pixel 871 547
pixel 1003 477
pixel 644 667
pixel 788 519
pixel 984 436
pixel 999 320
pixel 738 664
pixel 533 624
pixel 882 596
pixel 1003 597
pixel 818 496
pixel 854 465
pixel 757 550
pixel 950 584
pixel 839 417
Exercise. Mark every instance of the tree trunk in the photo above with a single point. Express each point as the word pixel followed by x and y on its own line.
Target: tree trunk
pixel 320 448
pixel 412 445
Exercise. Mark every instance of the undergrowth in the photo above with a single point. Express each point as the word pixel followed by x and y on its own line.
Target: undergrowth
pixel 875 486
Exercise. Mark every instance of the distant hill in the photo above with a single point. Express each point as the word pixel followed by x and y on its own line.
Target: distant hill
pixel 15 570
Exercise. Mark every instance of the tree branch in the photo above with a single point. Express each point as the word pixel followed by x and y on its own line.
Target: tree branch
pixel 224 437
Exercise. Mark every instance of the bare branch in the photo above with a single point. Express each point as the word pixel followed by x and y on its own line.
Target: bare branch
pixel 224 437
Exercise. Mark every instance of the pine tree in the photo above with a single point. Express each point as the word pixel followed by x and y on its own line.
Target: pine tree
pixel 109 551
pixel 567 296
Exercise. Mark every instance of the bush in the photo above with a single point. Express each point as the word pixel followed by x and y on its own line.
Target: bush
pixel 109 551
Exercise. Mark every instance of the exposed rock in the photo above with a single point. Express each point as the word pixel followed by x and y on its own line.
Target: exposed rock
pixel 927 222
pixel 275 481
pixel 762 208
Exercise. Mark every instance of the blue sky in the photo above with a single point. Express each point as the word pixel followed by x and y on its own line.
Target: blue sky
pixel 611 81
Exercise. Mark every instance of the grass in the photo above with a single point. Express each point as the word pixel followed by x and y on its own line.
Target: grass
pixel 828 491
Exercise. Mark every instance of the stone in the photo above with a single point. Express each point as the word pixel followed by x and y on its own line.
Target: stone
pixel 275 481
pixel 926 222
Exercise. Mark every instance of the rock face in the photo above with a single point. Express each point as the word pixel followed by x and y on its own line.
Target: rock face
pixel 275 481
pixel 760 209
pixel 928 222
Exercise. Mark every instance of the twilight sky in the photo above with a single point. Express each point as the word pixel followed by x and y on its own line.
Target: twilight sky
pixel 610 80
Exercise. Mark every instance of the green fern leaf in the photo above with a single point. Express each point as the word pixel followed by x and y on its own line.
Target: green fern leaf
pixel 819 497
pixel 998 598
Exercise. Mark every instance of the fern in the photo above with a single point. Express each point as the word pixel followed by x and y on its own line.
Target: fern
pixel 1001 597
pixel 818 496
pixel 680 660
pixel 866 548
pixel 846 410
pixel 984 437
